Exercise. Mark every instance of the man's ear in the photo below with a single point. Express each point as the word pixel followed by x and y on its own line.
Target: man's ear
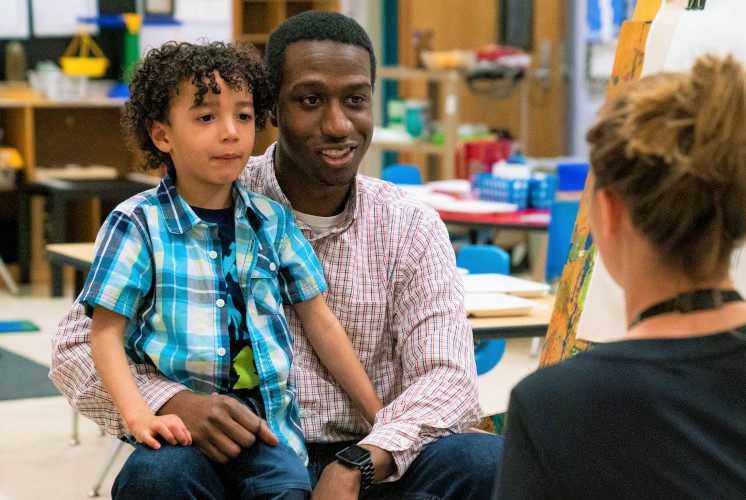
pixel 273 115
pixel 159 135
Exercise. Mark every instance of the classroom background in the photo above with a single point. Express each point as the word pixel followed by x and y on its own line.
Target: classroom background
pixel 480 111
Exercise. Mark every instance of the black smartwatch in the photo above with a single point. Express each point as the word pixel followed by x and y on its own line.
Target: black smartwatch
pixel 358 457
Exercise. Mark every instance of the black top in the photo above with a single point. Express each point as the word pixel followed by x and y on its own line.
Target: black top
pixel 658 418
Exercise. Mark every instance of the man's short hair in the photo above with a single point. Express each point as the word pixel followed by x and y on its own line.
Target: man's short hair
pixel 314 25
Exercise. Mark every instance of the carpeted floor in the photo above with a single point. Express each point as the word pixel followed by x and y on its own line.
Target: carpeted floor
pixel 23 378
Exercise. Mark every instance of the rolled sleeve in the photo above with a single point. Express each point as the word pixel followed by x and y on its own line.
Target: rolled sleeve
pixel 121 273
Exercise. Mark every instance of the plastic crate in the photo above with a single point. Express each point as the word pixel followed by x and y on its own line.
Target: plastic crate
pixel 542 188
pixel 490 188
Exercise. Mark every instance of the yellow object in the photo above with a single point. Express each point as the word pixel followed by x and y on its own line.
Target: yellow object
pixel 132 22
pixel 89 61
pixel 10 157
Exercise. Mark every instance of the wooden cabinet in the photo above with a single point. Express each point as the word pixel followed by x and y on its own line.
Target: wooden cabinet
pixel 443 90
pixel 254 20
pixel 55 134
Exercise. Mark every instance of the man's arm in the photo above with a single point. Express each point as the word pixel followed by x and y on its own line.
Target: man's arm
pixel 440 395
pixel 219 424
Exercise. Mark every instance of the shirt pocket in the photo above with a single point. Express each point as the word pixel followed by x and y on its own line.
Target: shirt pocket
pixel 264 291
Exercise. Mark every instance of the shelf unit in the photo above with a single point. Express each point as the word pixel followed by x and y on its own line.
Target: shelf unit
pixel 50 133
pixel 443 89
pixel 254 20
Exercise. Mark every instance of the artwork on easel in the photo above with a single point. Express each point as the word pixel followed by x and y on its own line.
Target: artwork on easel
pixel 681 32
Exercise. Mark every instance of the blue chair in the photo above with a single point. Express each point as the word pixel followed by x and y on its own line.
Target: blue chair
pixel 484 259
pixel 402 174
pixel 559 234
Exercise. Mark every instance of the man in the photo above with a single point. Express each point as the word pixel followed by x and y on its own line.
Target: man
pixel 392 284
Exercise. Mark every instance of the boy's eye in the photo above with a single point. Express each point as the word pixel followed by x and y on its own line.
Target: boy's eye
pixel 205 118
pixel 244 116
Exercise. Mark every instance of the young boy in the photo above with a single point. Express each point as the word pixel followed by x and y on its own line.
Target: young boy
pixel 193 274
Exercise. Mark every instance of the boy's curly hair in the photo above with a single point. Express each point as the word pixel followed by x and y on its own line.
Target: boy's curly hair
pixel 159 73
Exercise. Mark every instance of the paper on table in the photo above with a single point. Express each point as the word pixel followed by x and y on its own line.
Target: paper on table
pixel 449 204
pixel 502 283
pixel 497 304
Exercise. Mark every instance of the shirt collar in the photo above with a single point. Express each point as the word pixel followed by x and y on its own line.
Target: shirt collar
pixel 272 190
pixel 180 217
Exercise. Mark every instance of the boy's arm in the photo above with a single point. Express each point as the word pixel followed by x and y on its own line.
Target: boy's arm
pixel 107 351
pixel 333 346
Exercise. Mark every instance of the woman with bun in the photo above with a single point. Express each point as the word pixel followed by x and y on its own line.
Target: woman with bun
pixel 661 414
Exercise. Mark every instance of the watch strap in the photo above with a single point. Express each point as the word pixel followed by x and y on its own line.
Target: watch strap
pixel 365 466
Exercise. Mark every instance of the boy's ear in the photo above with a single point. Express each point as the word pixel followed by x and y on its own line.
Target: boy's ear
pixel 273 115
pixel 159 136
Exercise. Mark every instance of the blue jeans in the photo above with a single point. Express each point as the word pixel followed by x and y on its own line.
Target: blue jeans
pixel 459 466
pixel 182 472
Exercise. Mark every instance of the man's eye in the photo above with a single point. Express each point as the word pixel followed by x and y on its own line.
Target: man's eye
pixel 357 99
pixel 310 100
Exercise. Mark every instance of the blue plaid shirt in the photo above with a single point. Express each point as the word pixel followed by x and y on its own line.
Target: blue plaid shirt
pixel 160 265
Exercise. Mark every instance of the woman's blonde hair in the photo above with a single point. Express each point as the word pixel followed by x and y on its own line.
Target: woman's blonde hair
pixel 673 146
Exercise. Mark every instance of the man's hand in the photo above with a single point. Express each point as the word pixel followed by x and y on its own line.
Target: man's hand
pixel 220 426
pixel 337 482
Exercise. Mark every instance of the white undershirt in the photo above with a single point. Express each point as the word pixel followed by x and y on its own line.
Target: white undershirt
pixel 318 224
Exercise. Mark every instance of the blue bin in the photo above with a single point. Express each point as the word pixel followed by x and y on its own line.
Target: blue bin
pixel 503 189
pixel 571 176
pixel 541 190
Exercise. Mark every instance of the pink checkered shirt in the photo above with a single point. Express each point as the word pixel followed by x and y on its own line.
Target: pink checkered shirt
pixel 393 285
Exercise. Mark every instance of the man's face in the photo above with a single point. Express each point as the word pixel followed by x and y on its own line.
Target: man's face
pixel 324 113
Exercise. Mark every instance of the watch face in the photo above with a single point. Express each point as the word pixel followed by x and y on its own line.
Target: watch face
pixel 354 454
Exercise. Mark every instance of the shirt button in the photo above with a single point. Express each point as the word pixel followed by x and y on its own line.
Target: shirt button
pixel 272 266
pixel 220 302
pixel 213 254
pixel 306 413
pixel 221 351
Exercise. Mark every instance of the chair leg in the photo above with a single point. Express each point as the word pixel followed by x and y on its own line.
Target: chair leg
pixel 114 450
pixel 8 278
pixel 74 431
pixel 535 346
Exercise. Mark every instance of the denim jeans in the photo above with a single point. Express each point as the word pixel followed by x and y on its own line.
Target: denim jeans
pixel 183 472
pixel 460 466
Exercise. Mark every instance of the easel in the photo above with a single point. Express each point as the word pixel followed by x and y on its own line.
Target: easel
pixel 561 341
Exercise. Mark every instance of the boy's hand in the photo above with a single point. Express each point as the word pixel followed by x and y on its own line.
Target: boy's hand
pixel 147 427
pixel 220 426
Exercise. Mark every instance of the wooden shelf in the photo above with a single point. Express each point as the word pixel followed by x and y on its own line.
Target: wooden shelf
pixel 413 147
pixel 443 88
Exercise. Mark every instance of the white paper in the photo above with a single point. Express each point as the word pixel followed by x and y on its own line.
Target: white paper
pixel 496 304
pixel 14 19
pixel 677 38
pixel 502 283
pixel 55 18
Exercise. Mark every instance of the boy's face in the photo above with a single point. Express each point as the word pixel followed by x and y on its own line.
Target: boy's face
pixel 324 112
pixel 209 143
